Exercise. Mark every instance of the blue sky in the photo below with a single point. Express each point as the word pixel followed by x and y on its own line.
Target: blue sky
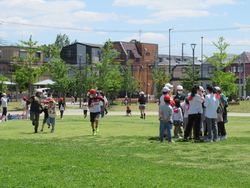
pixel 97 21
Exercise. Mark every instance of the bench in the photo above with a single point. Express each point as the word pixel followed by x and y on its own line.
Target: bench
pixel 233 103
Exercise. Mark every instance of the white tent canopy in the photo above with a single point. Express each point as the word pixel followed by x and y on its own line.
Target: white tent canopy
pixel 44 82
pixel 7 82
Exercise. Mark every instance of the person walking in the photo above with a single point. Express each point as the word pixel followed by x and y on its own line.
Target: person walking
pixel 211 103
pixel 62 107
pixel 46 113
pixel 35 108
pixel 194 113
pixel 4 101
pixel 52 115
pixel 94 109
pixel 177 118
pixel 142 105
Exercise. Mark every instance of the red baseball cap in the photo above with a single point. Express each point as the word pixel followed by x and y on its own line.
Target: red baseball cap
pixel 166 98
pixel 92 91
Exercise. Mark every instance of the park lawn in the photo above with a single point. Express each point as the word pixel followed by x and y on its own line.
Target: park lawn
pixel 125 153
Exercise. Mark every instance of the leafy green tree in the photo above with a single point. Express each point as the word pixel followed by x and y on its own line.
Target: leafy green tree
pixel 3 87
pixel 129 83
pixel 27 74
pixel 109 76
pixel 191 79
pixel 248 83
pixel 160 76
pixel 59 72
pixel 225 80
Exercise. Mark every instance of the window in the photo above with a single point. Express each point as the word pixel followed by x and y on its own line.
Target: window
pixel 233 69
pixel 68 53
pixel 38 54
pixel 160 59
pixel 183 70
pixel 22 54
pixel 240 69
pixel 147 54
pixel 1 70
pixel 210 70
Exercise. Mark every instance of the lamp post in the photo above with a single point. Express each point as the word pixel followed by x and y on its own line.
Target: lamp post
pixel 80 76
pixel 11 81
pixel 193 48
pixel 169 48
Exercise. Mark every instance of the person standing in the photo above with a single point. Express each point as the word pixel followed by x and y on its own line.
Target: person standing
pixel 165 117
pixel 85 107
pixel 94 109
pixel 194 113
pixel 46 113
pixel 35 108
pixel 180 95
pixel 142 105
pixel 62 106
pixel 23 103
pixel 177 118
pixel 221 125
pixel 4 101
pixel 211 103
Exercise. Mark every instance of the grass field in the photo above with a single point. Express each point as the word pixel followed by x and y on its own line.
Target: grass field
pixel 125 153
pixel 244 107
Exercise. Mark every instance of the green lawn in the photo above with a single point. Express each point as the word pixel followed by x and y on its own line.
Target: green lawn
pixel 125 153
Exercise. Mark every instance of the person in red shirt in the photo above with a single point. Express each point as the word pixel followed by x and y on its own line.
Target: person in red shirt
pixel 94 109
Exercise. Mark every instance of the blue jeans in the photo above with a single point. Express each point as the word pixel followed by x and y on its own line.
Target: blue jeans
pixel 52 121
pixel 167 126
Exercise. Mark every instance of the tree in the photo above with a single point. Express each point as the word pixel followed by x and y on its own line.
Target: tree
pixel 3 87
pixel 160 78
pixel 222 79
pixel 191 79
pixel 58 71
pixel 109 75
pixel 27 74
pixel 248 84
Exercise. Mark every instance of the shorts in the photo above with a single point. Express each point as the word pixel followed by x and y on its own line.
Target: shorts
pixel 94 115
pixel 185 120
pixel 85 112
pixel 142 107
pixel 177 122
pixel 45 120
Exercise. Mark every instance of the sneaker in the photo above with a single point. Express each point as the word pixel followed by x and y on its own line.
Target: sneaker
pixel 197 140
pixel 208 140
pixel 216 140
pixel 49 125
pixel 41 130
pixel 94 133
pixel 185 140
pixel 171 141
pixel 52 131
pixel 223 138
pixel 175 137
pixel 96 129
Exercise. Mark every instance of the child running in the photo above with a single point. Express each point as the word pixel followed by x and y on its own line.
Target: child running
pixel 95 110
pixel 52 115
pixel 85 107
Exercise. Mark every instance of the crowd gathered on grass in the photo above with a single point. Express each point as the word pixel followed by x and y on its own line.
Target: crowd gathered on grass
pixel 200 115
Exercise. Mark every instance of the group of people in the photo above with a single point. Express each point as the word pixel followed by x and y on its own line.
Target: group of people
pixel 203 111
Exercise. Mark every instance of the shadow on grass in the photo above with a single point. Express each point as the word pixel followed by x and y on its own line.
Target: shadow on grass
pixel 154 138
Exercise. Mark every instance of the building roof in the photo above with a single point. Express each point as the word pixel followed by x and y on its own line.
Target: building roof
pixel 132 47
pixel 8 83
pixel 92 45
pixel 44 82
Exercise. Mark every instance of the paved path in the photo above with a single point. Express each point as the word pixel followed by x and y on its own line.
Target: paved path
pixel 80 112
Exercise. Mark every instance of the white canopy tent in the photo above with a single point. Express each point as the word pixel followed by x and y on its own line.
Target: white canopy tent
pixel 44 82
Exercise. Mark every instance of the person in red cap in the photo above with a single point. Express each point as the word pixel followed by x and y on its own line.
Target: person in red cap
pixel 165 116
pixel 94 109
pixel 52 115
pixel 128 111
pixel 23 103
pixel 62 106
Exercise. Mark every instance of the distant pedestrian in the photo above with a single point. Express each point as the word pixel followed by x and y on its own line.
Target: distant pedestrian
pixel 4 101
pixel 73 100
pixel 128 111
pixel 62 107
pixel 85 107
pixel 23 103
pixel 142 105
pixel 35 108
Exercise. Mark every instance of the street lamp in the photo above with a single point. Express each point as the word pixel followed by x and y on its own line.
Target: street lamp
pixel 80 76
pixel 11 81
pixel 193 48
pixel 169 48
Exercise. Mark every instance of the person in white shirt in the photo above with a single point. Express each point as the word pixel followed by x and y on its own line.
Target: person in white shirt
pixel 211 103
pixel 4 101
pixel 194 113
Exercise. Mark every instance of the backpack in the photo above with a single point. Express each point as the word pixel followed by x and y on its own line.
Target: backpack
pixel 220 109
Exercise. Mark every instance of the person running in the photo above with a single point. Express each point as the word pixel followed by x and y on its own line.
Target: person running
pixel 23 103
pixel 211 103
pixel 165 117
pixel 62 107
pixel 94 109
pixel 194 113
pixel 35 108
pixel 85 107
pixel 142 105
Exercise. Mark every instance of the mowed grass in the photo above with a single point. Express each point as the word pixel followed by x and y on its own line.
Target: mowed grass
pixel 125 153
